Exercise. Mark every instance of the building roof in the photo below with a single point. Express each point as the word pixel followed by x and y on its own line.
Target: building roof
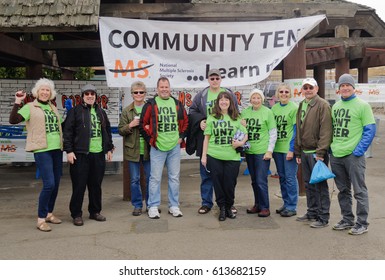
pixel 49 15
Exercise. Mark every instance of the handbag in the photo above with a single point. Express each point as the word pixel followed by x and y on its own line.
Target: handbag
pixel 320 173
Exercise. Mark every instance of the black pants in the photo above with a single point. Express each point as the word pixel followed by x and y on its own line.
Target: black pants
pixel 87 171
pixel 224 174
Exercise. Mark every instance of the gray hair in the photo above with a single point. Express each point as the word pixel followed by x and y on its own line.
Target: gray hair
pixel 138 84
pixel 41 83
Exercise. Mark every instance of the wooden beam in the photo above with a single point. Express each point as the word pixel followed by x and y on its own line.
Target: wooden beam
pixel 370 60
pixel 324 55
pixel 228 12
pixel 377 42
pixel 67 44
pixel 20 49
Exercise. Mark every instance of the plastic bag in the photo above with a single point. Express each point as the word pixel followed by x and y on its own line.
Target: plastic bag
pixel 320 173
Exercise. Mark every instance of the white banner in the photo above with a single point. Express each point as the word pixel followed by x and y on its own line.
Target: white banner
pixel 245 52
pixel 371 93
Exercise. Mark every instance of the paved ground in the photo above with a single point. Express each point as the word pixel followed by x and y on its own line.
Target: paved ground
pixel 193 236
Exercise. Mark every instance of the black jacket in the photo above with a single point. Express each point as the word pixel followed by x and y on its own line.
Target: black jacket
pixel 77 129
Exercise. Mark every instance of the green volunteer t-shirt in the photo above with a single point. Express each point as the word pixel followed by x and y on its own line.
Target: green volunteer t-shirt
pixel 349 118
pixel 304 109
pixel 96 133
pixel 285 119
pixel 138 110
pixel 51 126
pixel 211 97
pixel 258 124
pixel 168 134
pixel 221 134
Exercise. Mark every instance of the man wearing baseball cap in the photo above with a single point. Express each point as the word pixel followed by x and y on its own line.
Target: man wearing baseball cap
pixel 314 135
pixel 200 109
pixel 353 131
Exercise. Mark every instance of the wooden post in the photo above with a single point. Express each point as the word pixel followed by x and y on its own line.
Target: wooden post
pixel 363 76
pixel 343 64
pixel 34 71
pixel 319 76
pixel 294 67
pixel 127 184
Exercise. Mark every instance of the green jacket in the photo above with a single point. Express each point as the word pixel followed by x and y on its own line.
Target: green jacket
pixel 131 135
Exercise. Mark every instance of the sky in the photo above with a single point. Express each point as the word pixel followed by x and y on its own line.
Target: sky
pixel 375 4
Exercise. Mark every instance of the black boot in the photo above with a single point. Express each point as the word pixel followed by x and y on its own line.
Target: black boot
pixel 230 214
pixel 222 213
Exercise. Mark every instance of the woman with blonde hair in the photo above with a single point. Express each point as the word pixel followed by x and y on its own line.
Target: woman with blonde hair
pixel 285 116
pixel 44 139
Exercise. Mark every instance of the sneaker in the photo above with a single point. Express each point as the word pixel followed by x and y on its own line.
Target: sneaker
pixel 279 210
pixel 288 213
pixel 305 218
pixel 318 224
pixel 159 210
pixel 341 225
pixel 175 212
pixel 153 213
pixel 358 229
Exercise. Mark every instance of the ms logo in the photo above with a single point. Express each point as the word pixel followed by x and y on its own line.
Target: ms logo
pixel 136 70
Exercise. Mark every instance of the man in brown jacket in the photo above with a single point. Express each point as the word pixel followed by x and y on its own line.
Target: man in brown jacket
pixel 314 135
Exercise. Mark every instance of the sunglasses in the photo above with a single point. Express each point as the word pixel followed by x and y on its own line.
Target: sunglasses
pixel 309 87
pixel 213 79
pixel 138 92
pixel 283 91
pixel 89 93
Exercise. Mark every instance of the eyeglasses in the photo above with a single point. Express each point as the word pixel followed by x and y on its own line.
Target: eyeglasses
pixel 213 79
pixel 283 91
pixel 87 93
pixel 309 87
pixel 138 92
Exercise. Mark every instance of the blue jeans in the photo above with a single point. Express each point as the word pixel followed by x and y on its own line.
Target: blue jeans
pixel 136 190
pixel 207 188
pixel 259 170
pixel 50 165
pixel 172 161
pixel 287 171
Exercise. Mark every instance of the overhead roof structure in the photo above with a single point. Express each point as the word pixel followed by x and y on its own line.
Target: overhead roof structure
pixel 72 38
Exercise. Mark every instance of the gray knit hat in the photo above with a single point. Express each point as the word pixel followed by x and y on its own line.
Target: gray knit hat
pixel 346 79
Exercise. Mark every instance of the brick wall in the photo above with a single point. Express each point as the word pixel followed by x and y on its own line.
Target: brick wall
pixel 66 89
pixel 71 89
